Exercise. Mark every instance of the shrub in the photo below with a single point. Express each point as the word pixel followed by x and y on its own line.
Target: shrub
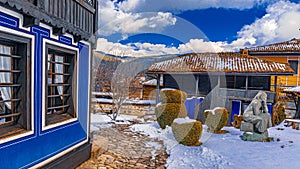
pixel 216 119
pixel 187 133
pixel 167 112
pixel 278 113
pixel 237 121
pixel 172 96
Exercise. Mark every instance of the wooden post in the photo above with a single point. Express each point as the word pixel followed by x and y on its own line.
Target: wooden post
pixel 197 86
pixel 157 87
pixel 275 84
pixel 246 83
pixel 275 89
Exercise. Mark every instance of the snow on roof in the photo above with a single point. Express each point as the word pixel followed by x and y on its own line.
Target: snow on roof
pixel 291 46
pixel 165 89
pixel 219 62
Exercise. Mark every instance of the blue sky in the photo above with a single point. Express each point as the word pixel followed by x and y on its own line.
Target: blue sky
pixel 157 27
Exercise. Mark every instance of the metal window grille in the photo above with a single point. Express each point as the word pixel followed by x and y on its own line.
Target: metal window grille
pixel 60 86
pixel 9 105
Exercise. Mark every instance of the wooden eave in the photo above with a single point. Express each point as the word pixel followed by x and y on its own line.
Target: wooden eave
pixel 279 53
pixel 225 73
pixel 288 47
pixel 29 8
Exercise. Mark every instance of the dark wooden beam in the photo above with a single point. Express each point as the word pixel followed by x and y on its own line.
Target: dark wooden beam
pixel 72 159
pixel 59 31
pixel 29 21
pixel 157 88
pixel 246 85
pixel 77 38
pixel 275 88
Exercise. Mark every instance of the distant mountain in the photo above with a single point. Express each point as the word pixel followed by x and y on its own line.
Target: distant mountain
pixel 143 62
pixel 106 56
pixel 105 65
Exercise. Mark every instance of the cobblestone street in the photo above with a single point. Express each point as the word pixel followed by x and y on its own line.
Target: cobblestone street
pixel 118 147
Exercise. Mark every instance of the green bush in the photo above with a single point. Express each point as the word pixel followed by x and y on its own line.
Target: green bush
pixel 187 133
pixel 167 112
pixel 216 119
pixel 172 96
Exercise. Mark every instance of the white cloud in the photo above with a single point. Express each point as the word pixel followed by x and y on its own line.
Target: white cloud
pixel 183 5
pixel 199 45
pixel 144 49
pixel 280 23
pixel 141 16
pixel 113 20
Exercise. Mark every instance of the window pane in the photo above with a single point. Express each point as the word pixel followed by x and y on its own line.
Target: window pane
pixel 5 76
pixel 294 65
pixel 15 80
pixel 60 88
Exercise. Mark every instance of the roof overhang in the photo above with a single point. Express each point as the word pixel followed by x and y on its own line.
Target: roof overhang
pixel 225 73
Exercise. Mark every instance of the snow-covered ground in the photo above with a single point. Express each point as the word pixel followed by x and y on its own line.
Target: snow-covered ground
pixel 226 151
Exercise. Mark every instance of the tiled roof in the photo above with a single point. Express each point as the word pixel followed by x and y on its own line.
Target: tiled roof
pixel 290 46
pixel 219 62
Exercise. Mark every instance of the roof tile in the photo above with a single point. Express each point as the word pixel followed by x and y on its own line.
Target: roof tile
pixel 292 45
pixel 219 62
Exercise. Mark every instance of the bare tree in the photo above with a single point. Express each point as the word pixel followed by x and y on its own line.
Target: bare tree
pixel 121 85
pixel 118 77
pixel 104 67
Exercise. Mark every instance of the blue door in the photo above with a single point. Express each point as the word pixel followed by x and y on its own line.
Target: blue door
pixel 236 106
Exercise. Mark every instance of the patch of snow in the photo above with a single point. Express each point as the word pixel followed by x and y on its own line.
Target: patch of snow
pixel 155 146
pixel 99 118
pixel 101 100
pixel 164 89
pixel 132 101
pixel 183 120
pixel 228 150
pixel 137 101
pixel 224 151
pixel 102 93
pixel 153 82
pixel 293 120
pixel 191 98
pixel 102 119
pixel 93 128
pixel 158 104
pixel 292 89
pixel 181 156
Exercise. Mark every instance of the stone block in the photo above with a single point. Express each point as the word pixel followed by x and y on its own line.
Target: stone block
pixel 249 136
pixel 246 127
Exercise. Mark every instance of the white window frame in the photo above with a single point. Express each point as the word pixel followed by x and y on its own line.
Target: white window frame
pixel 45 91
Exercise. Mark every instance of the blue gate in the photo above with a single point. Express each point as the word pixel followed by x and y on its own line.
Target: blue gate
pixel 191 105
